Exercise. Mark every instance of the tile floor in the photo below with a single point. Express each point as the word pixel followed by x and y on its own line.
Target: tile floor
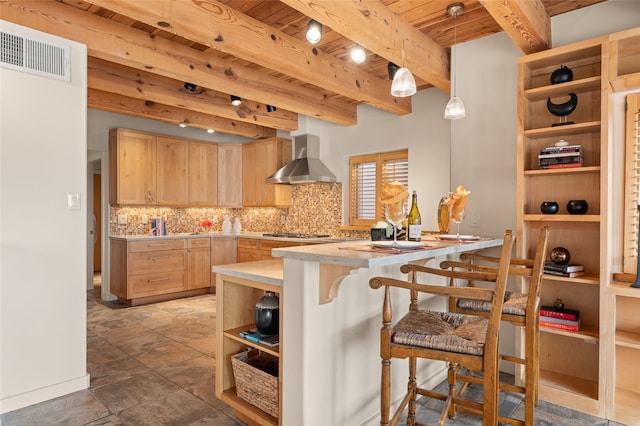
pixel 154 365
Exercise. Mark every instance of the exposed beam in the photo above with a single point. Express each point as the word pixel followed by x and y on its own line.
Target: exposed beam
pixel 110 77
pixel 377 28
pixel 114 102
pixel 122 44
pixel 227 30
pixel 526 22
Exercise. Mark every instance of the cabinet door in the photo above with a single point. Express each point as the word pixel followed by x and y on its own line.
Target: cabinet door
pixel 203 174
pixel 230 167
pixel 223 252
pixel 172 157
pixel 250 181
pixel 198 268
pixel 132 164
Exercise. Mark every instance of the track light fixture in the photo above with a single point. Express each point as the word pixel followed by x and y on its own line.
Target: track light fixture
pixel 455 108
pixel 236 100
pixel 392 69
pixel 190 87
pixel 271 108
pixel 357 54
pixel 314 31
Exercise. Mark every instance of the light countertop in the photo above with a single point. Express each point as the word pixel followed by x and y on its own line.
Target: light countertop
pixel 219 234
pixel 264 271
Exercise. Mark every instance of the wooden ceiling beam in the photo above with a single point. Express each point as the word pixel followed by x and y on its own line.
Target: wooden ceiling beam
pixel 525 22
pixel 113 102
pixel 377 28
pixel 110 77
pixel 127 46
pixel 225 29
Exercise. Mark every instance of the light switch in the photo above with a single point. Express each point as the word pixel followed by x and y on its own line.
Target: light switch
pixel 73 201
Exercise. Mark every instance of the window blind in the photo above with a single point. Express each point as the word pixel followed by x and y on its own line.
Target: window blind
pixel 367 174
pixel 632 184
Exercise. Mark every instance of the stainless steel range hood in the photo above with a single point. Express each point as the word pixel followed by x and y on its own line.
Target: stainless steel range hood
pixel 306 167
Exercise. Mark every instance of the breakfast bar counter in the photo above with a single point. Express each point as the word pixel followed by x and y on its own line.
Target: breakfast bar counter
pixel 331 327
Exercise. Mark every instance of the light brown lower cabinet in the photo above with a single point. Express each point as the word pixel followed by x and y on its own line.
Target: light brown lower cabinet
pixel 198 263
pixel 155 270
pixel 223 251
pixel 252 249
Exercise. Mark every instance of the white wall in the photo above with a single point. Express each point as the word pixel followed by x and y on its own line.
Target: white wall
pixel 43 153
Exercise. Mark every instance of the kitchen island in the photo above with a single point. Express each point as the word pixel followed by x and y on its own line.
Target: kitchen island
pixel 329 334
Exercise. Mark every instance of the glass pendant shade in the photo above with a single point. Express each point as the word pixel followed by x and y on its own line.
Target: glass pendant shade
pixel 403 83
pixel 454 109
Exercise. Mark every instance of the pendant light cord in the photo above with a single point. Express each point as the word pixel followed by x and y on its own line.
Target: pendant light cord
pixel 455 50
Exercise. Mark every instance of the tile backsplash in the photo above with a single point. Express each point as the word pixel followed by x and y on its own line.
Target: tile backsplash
pixel 316 208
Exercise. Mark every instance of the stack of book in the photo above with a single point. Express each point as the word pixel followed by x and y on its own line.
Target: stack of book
pixel 255 336
pixel 564 319
pixel 568 270
pixel 557 157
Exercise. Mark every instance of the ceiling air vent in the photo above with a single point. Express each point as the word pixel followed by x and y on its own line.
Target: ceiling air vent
pixel 34 56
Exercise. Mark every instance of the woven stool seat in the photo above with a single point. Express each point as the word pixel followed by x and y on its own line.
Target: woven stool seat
pixel 442 331
pixel 514 304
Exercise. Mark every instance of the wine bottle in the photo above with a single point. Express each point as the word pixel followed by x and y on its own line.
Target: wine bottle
pixel 414 220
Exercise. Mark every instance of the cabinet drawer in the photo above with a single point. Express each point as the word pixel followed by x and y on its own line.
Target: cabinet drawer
pixel 248 243
pixel 156 283
pixel 152 245
pixel 199 242
pixel 156 261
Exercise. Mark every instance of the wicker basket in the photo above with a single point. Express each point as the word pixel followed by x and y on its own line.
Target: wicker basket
pixel 256 375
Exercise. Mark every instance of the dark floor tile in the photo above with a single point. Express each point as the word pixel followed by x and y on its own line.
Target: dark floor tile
pixel 110 372
pixel 176 408
pixel 197 336
pixel 134 390
pixel 78 408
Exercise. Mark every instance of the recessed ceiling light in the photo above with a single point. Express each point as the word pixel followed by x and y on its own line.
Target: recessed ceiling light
pixel 210 131
pixel 182 125
pixel 357 54
pixel 314 31
pixel 236 100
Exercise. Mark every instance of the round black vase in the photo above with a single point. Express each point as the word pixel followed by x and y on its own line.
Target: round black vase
pixel 549 207
pixel 577 207
pixel 267 314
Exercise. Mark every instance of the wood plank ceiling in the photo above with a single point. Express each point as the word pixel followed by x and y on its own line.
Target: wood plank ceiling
pixel 141 53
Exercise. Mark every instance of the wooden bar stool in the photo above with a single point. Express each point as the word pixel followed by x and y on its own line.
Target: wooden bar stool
pixel 519 309
pixel 459 339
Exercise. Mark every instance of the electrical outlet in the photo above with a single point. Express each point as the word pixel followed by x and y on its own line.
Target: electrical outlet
pixel 283 219
pixel 145 219
pixel 122 219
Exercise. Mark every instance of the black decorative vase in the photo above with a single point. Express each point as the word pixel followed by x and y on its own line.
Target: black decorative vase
pixel 549 207
pixel 577 207
pixel 267 314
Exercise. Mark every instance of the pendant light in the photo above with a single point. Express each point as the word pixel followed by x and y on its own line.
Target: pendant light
pixel 403 84
pixel 455 108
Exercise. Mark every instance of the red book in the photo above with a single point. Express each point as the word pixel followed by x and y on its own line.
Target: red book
pixel 548 311
pixel 559 326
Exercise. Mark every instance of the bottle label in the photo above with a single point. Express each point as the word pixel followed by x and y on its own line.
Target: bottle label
pixel 415 232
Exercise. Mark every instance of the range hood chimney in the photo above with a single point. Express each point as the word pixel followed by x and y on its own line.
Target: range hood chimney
pixel 306 167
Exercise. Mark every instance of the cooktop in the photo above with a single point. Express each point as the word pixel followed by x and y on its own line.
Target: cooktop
pixel 294 235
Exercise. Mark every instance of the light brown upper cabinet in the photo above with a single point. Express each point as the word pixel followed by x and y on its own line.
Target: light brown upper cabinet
pixel 203 174
pixel 132 167
pixel 260 159
pixel 230 175
pixel 171 178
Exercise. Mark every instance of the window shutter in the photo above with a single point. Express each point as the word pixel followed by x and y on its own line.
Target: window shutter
pixel 364 190
pixel 632 184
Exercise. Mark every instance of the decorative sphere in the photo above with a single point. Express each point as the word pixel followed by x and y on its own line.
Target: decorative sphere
pixel 549 207
pixel 577 206
pixel 560 255
pixel 267 314
pixel 561 75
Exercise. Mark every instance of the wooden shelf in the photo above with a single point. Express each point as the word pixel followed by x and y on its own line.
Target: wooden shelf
pixel 625 406
pixel 569 129
pixel 587 333
pixel 574 385
pixel 628 339
pixel 586 279
pixel 621 288
pixel 578 86
pixel 568 171
pixel 586 218
pixel 234 333
pixel 249 412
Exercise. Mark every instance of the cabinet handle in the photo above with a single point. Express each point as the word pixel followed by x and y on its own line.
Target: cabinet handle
pixel 159 245
pixel 158 279
pixel 158 258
